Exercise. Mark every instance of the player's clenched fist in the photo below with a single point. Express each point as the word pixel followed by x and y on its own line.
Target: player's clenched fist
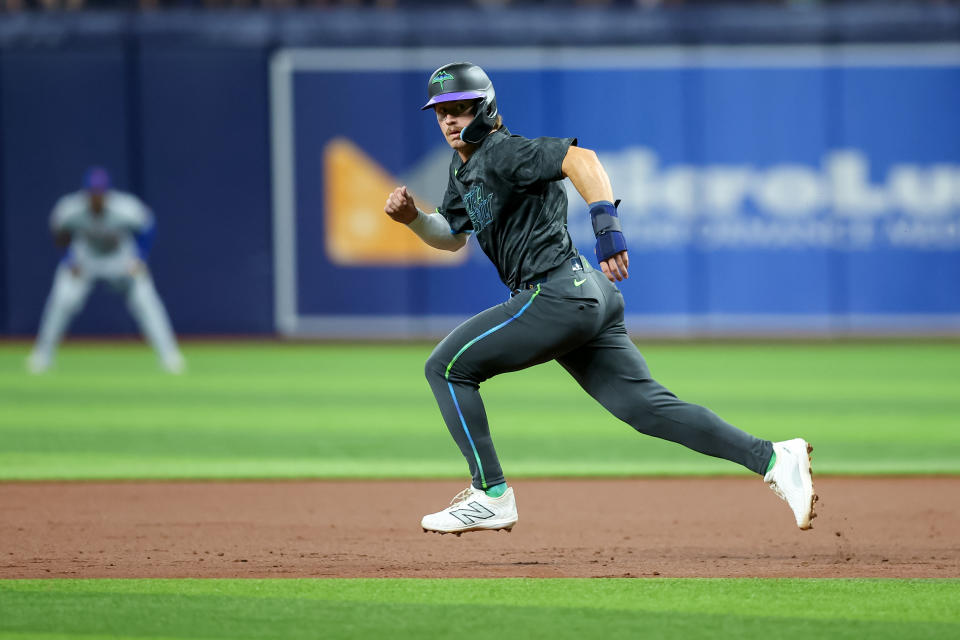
pixel 400 206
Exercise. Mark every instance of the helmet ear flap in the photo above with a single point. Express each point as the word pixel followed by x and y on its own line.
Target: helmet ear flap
pixel 491 105
pixel 484 121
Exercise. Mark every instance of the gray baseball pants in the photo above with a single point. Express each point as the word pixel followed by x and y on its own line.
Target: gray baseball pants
pixel 575 316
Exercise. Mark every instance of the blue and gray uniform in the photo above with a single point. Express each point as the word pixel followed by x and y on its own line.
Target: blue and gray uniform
pixel 108 245
pixel 509 196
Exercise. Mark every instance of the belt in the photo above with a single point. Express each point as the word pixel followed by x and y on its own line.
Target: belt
pixel 574 265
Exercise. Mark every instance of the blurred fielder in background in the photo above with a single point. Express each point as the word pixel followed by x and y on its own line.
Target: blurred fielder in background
pixel 505 189
pixel 107 236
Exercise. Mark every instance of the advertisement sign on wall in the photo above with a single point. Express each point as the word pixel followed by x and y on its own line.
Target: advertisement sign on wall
pixel 771 189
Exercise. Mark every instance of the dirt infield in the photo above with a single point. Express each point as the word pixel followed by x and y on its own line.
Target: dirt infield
pixel 882 527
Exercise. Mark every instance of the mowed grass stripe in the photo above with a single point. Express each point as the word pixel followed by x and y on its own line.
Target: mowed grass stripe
pixel 311 410
pixel 509 608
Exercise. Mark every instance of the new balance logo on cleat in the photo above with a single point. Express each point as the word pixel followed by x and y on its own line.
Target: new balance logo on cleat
pixel 475 513
pixel 473 510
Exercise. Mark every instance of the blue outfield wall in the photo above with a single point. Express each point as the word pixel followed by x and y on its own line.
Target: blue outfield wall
pixel 187 130
pixel 766 188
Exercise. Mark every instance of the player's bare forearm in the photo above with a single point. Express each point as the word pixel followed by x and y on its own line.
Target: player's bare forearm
pixel 587 174
pixel 593 184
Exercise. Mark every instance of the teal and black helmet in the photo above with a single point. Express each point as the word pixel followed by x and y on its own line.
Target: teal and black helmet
pixel 465 81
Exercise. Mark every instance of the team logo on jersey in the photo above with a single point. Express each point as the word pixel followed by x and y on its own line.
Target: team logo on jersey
pixel 478 208
pixel 440 78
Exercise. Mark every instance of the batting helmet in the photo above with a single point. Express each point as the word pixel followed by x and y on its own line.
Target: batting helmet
pixel 465 81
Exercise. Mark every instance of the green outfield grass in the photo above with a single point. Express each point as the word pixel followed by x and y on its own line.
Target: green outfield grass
pixel 512 608
pixel 310 410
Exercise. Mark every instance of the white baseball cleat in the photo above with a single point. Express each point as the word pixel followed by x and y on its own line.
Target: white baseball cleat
pixel 38 362
pixel 473 510
pixel 174 363
pixel 792 480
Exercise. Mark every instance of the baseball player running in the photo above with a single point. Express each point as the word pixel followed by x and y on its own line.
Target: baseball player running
pixel 107 235
pixel 505 190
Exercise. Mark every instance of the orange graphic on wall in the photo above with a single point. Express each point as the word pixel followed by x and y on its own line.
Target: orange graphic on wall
pixel 357 230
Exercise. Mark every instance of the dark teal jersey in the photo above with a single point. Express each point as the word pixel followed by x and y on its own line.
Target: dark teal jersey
pixel 509 195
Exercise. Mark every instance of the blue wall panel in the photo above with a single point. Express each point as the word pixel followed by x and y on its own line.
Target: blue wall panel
pixel 62 111
pixel 4 280
pixel 918 262
pixel 206 168
pixel 751 118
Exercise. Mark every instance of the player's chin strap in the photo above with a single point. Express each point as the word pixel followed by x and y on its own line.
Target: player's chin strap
pixel 606 227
